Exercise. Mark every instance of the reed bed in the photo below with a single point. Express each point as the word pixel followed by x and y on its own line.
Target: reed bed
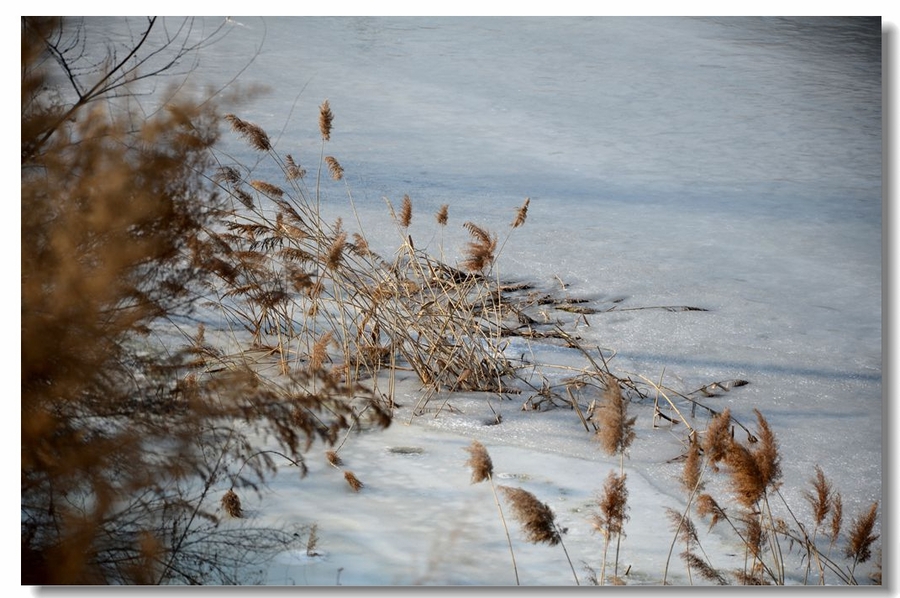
pixel 316 296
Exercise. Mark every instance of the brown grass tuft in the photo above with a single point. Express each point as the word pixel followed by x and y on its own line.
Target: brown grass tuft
pixel 353 481
pixel 325 118
pixel 535 517
pixel 257 138
pixel 480 462
pixel 232 504
pixel 441 215
pixel 334 167
pixel 521 214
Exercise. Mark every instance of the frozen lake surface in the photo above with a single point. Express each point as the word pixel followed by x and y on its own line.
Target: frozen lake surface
pixel 729 164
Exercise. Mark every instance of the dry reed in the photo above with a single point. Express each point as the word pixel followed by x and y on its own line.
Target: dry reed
pixel 613 507
pixel 480 251
pixel 521 214
pixel 334 168
pixel 480 462
pixel 293 170
pixel 442 214
pixel 616 431
pixel 820 499
pixel 254 134
pixel 267 188
pixel 691 472
pixel 353 481
pixel 535 517
pixel 406 212
pixel 861 536
pixel 333 458
pixel 325 119
pixel 232 504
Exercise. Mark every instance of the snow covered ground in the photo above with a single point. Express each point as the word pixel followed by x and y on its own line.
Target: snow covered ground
pixel 728 164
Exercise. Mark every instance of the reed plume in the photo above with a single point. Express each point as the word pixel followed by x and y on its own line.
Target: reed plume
pixel 406 212
pixel 537 520
pixel 820 499
pixel 254 134
pixel 616 431
pixel 483 469
pixel 837 517
pixel 480 250
pixel 336 251
pixel 319 352
pixel 613 504
pixel 718 438
pixel 521 214
pixel 707 505
pixel 229 174
pixel 691 473
pixel 293 171
pixel 333 458
pixel 232 504
pixel 535 517
pixel 747 482
pixel 705 570
pixel 441 215
pixel 859 546
pixel 267 188
pixel 768 459
pixel 480 462
pixel 325 118
pixel 334 168
pixel 353 481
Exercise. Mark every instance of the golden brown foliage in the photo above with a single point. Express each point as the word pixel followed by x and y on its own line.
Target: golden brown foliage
pixel 123 434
